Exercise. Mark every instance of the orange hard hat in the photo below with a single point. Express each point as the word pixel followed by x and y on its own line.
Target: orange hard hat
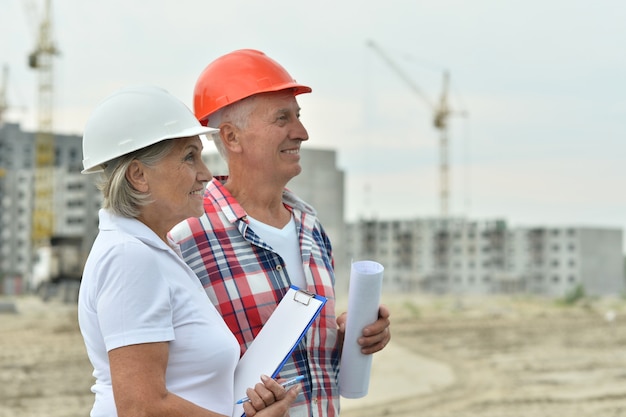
pixel 237 75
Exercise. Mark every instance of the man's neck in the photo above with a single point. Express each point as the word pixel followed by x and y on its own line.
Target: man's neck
pixel 262 201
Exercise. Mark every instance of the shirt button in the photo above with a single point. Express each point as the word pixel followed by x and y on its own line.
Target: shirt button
pixel 279 267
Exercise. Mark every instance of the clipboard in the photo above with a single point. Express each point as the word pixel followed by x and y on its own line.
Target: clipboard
pixel 273 345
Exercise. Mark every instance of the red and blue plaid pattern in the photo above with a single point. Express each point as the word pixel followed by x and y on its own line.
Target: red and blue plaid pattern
pixel 246 280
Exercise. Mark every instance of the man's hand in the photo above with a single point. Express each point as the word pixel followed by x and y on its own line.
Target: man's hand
pixel 375 336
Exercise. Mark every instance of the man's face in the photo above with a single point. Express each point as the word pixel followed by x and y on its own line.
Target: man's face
pixel 273 135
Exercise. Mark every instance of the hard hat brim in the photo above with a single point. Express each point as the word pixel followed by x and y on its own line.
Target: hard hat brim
pixel 205 131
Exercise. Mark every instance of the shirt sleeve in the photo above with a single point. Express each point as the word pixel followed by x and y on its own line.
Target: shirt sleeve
pixel 133 298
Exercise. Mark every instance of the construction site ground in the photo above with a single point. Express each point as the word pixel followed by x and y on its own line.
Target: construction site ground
pixel 449 356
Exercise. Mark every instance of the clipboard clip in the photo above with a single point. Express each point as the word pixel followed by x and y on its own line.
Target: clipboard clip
pixel 303 297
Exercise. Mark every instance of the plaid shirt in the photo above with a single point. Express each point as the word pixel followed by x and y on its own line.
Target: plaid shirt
pixel 245 279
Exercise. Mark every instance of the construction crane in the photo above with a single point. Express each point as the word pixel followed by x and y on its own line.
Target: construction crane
pixel 4 102
pixel 441 112
pixel 41 60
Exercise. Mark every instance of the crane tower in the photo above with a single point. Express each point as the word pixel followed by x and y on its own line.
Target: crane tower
pixel 41 60
pixel 3 92
pixel 441 112
pixel 3 103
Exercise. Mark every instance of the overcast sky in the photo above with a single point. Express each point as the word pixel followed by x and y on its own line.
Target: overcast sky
pixel 543 84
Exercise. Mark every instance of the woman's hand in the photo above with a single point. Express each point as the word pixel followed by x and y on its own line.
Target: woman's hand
pixel 269 398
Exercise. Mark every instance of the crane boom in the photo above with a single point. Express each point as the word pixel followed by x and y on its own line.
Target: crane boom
pixel 441 112
pixel 400 73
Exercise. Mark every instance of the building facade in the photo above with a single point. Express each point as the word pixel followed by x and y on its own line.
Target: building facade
pixel 468 257
pixel 75 199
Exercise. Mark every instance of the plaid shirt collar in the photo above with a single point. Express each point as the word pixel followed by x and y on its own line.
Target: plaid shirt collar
pixel 233 210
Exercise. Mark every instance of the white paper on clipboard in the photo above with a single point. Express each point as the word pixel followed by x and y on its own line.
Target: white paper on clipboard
pixel 280 335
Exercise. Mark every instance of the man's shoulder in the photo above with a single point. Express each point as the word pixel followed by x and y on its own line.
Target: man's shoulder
pixel 216 217
pixel 184 230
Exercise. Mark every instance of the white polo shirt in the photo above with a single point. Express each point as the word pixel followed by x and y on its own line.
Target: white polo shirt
pixel 135 289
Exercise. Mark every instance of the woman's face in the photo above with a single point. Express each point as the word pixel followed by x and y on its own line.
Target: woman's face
pixel 176 185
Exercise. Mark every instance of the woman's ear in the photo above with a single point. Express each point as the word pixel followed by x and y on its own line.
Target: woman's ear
pixel 135 175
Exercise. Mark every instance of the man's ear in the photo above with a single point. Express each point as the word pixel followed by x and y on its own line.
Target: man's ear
pixel 230 137
pixel 135 174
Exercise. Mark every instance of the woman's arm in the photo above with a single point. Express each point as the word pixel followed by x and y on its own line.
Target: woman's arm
pixel 138 378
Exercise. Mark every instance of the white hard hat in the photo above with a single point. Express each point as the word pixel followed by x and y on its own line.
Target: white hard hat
pixel 133 118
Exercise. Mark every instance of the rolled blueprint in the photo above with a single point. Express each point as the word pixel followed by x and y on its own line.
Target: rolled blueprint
pixel 366 279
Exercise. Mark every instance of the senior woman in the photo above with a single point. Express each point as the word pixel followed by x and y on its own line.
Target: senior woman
pixel 157 345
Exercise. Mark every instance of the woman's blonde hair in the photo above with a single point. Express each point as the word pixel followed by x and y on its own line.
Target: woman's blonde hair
pixel 119 195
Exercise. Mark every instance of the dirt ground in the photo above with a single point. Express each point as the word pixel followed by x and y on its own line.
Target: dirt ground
pixel 461 357
pixel 513 357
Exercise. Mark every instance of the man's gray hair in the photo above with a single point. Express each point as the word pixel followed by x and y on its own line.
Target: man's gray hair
pixel 236 113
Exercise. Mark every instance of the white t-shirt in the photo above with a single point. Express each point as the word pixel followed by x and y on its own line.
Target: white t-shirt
pixel 135 289
pixel 285 243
